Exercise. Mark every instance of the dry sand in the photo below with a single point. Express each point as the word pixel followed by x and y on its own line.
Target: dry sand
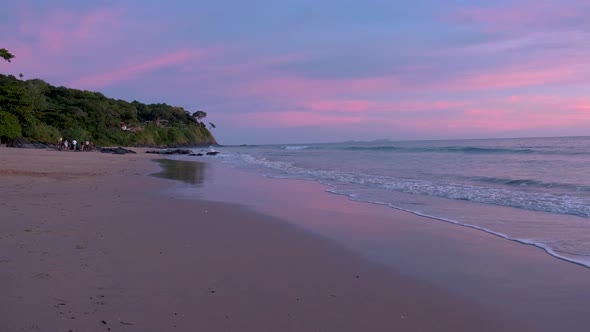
pixel 89 243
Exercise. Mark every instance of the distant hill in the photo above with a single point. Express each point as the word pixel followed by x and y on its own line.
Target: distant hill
pixel 40 112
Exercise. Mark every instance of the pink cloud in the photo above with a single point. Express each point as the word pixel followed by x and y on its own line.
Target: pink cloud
pixel 295 87
pixel 251 66
pixel 528 112
pixel 486 121
pixel 343 112
pixel 470 117
pixel 70 46
pixel 497 114
pixel 520 14
pixel 53 40
pixel 328 94
pixel 60 31
pixel 354 106
pixel 513 99
pixel 581 106
pixel 44 43
pixel 360 106
pixel 548 100
pixel 487 113
pixel 91 26
pixel 479 118
pixel 534 73
pixel 135 70
pixel 287 119
pixel 568 109
pixel 432 105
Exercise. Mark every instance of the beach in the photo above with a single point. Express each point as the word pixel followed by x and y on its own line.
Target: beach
pixel 93 242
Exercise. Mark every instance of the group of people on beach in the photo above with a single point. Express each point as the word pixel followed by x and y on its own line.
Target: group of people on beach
pixel 74 146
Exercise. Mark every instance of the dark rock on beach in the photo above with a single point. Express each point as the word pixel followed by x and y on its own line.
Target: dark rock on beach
pixel 23 143
pixel 118 150
pixel 170 151
pixel 210 153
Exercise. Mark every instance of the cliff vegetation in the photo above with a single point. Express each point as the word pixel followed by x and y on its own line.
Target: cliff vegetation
pixel 39 112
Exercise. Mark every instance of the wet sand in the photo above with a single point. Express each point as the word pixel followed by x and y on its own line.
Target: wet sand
pixel 89 242
pixel 509 279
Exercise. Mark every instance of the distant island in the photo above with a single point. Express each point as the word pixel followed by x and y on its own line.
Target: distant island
pixel 38 112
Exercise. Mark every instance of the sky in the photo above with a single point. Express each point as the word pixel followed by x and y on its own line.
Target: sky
pixel 302 71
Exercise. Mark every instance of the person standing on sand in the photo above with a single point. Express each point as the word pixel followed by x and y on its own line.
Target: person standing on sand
pixel 74 143
pixel 66 145
pixel 60 143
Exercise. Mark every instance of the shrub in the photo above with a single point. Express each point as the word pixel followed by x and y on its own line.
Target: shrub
pixel 9 126
pixel 41 132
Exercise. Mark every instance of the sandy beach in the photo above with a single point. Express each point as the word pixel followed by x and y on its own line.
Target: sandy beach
pixel 89 242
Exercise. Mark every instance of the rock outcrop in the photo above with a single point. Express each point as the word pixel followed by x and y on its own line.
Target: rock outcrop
pixel 170 151
pixel 118 150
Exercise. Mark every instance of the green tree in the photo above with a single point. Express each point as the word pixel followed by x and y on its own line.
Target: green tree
pixel 41 132
pixel 4 54
pixel 78 134
pixel 198 115
pixel 14 99
pixel 9 126
pixel 37 90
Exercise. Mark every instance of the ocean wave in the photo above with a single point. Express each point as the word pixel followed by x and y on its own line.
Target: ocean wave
pixel 476 150
pixel 534 201
pixel 530 183
pixel 294 147
pixel 527 182
pixel 447 149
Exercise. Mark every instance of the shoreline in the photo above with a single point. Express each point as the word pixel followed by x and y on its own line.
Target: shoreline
pixel 94 238
pixel 546 250
pixel 498 273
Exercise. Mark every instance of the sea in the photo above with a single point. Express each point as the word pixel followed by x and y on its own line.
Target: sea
pixel 534 191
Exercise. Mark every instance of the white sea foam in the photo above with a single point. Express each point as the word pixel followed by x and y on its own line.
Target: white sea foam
pixel 531 198
pixel 294 147
pixel 545 202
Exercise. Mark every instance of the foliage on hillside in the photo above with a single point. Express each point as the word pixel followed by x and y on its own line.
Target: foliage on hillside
pixel 41 112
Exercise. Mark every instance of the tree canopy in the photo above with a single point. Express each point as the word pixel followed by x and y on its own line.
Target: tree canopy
pixel 199 115
pixel 4 54
pixel 41 112
pixel 9 126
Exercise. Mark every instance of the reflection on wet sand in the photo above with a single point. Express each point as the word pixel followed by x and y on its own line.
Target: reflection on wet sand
pixel 191 172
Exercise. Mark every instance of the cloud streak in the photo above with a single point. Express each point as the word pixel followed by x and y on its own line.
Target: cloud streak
pixel 133 71
pixel 526 14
